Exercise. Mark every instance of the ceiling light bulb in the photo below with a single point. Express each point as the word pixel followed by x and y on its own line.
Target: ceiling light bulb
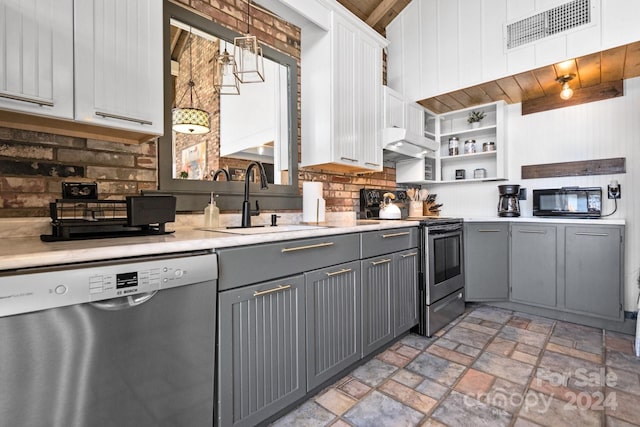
pixel 566 92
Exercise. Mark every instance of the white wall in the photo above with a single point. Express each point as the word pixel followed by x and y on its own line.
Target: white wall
pixel 597 130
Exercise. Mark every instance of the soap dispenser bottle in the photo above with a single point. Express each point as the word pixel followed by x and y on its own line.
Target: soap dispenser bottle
pixel 212 214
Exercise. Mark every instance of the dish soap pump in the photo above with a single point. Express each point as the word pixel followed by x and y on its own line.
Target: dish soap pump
pixel 212 214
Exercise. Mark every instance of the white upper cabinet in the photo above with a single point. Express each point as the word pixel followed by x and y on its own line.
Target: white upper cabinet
pixel 494 61
pixel 342 106
pixel 118 76
pixel 36 57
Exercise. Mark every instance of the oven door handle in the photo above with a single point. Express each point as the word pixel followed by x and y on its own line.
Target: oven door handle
pixel 445 233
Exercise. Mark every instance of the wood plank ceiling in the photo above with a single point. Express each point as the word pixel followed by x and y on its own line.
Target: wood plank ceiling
pixel 598 76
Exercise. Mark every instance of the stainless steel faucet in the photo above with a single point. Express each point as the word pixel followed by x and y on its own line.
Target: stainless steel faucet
pixel 247 213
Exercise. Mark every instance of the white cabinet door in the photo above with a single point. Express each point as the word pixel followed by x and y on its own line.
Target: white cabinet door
pixel 36 64
pixel 370 102
pixel 395 61
pixel 469 44
pixel 394 109
pixel 415 119
pixel 494 58
pixel 118 56
pixel 429 49
pixel 411 52
pixel 345 136
pixel 448 61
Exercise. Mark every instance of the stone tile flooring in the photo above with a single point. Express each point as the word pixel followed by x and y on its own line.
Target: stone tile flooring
pixel 490 367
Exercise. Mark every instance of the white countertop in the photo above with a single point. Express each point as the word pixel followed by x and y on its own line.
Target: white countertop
pixel 24 252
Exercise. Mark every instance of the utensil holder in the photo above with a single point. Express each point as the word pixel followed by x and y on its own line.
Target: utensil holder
pixel 416 208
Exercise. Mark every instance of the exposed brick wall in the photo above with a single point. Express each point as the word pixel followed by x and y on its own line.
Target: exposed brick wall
pixel 33 165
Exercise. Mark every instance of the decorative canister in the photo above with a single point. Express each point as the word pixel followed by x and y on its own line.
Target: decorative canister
pixel 453 146
pixel 489 146
pixel 479 173
pixel 470 146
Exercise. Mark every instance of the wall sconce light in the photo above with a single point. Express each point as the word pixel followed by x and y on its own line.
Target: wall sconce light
pixel 566 91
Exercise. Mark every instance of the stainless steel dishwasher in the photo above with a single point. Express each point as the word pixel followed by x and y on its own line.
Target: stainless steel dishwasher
pixel 120 343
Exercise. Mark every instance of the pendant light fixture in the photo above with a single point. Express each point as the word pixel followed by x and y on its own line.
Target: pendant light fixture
pixel 225 69
pixel 566 91
pixel 248 55
pixel 190 120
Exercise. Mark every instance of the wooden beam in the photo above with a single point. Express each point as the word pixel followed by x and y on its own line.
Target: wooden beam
pixel 580 96
pixel 379 12
pixel 580 168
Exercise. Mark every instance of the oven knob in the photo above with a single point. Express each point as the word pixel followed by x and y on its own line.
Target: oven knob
pixel 178 273
pixel 60 289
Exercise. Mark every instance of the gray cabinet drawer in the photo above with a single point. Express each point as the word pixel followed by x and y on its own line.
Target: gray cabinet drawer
pixel 257 263
pixel 374 243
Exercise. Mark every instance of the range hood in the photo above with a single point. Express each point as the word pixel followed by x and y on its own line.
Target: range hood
pixel 399 144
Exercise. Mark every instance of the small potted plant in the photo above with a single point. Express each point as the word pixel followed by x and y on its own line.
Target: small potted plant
pixel 475 117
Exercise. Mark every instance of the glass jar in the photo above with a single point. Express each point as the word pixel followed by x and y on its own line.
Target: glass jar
pixel 489 146
pixel 453 146
pixel 470 146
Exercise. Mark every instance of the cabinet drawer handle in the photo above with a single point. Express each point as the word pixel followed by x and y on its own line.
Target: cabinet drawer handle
pixel 39 101
pixel 532 231
pixel 302 248
pixel 372 164
pixel 404 233
pixel 480 230
pixel 335 273
pixel 579 233
pixel 348 159
pixel 268 291
pixel 382 261
pixel 125 118
pixel 409 255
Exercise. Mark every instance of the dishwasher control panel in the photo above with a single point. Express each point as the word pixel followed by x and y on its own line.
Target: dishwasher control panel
pixel 38 289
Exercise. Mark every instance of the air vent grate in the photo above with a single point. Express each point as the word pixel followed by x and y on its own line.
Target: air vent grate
pixel 553 21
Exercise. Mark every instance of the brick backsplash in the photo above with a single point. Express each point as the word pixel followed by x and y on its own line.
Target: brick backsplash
pixel 33 164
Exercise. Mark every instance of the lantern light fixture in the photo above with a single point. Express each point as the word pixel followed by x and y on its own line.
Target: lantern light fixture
pixel 190 120
pixel 249 59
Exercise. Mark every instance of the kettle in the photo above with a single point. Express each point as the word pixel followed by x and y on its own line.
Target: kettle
pixel 388 210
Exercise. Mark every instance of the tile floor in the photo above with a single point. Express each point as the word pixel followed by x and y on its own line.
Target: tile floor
pixel 491 367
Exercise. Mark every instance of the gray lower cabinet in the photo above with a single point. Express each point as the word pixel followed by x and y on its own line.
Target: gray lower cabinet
pixel 534 258
pixel 486 261
pixel 593 271
pixel 333 315
pixel 389 297
pixel 261 350
pixel 406 308
pixel 377 302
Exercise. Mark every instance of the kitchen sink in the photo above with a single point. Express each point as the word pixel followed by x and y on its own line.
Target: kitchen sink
pixel 267 229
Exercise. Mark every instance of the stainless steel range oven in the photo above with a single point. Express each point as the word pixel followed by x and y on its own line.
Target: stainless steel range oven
pixel 442 273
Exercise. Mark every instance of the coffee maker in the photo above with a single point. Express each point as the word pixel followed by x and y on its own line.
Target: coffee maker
pixel 509 204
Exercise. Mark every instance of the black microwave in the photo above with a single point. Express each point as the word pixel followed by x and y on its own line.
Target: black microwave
pixel 579 202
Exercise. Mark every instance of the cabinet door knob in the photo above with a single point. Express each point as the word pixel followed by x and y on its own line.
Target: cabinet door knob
pixel 382 261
